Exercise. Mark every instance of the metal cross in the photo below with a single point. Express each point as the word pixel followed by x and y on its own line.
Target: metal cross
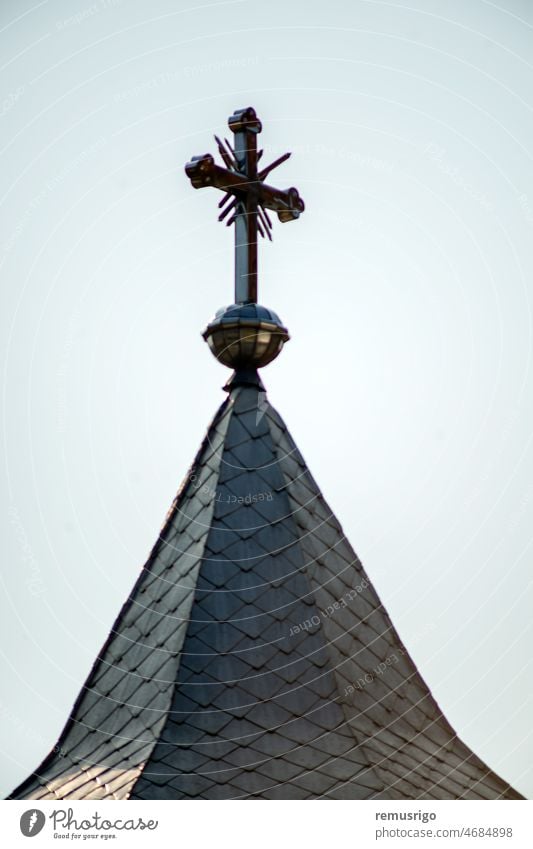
pixel 246 196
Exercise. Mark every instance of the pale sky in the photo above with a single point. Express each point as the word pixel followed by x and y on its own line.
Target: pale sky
pixel 406 286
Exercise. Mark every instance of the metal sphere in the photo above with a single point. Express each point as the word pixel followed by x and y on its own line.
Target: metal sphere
pixel 245 336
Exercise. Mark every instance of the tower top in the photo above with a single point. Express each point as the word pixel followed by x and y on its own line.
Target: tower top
pixel 253 657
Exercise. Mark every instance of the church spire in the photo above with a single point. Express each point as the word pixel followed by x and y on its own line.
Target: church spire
pixel 253 657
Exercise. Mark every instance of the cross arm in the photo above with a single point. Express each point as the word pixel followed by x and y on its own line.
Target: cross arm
pixel 203 171
pixel 287 203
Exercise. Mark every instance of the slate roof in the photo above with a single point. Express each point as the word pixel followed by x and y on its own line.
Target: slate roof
pixel 253 658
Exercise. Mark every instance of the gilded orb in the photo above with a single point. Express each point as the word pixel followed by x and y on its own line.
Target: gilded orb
pixel 244 336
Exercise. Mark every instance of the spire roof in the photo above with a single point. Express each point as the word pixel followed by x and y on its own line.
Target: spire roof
pixel 253 657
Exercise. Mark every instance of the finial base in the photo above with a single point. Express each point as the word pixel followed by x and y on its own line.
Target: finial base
pixel 244 377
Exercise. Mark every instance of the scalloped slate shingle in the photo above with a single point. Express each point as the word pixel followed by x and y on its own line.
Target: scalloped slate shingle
pixel 253 657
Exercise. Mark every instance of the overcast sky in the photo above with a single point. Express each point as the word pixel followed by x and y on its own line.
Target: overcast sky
pixel 406 287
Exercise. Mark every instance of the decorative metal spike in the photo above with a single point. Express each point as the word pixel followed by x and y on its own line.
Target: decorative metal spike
pixel 267 216
pixel 232 154
pixel 227 159
pixel 262 174
pixel 260 229
pixel 231 220
pixel 261 216
pixel 224 199
pixel 228 209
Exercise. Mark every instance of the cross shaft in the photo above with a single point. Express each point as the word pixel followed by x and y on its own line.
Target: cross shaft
pixel 247 196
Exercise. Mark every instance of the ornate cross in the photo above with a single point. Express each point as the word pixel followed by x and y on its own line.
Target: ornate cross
pixel 246 195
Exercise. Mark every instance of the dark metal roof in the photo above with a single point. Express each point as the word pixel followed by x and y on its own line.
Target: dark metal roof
pixel 253 657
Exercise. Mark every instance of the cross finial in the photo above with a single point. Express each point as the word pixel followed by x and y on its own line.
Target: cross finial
pixel 246 196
